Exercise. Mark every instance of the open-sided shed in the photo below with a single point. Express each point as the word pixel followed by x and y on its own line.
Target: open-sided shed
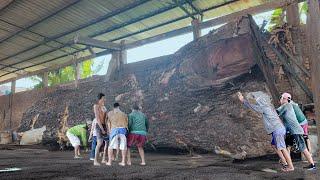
pixel 39 35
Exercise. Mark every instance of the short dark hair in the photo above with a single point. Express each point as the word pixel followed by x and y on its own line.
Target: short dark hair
pixel 115 105
pixel 136 107
pixel 100 95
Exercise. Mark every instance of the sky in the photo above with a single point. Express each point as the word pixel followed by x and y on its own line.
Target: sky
pixel 156 49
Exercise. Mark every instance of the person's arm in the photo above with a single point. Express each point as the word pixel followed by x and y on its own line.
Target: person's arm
pixel 106 122
pixel 129 121
pixel 91 131
pixel 109 123
pixel 147 124
pixel 96 113
pixel 281 110
pixel 248 105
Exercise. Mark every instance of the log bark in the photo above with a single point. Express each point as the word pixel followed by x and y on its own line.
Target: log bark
pixel 313 25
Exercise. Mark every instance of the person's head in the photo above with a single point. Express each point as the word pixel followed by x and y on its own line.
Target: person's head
pixel 101 98
pixel 285 98
pixel 136 107
pixel 258 98
pixel 116 105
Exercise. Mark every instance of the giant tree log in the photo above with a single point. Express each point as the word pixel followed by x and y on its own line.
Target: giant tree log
pixel 189 97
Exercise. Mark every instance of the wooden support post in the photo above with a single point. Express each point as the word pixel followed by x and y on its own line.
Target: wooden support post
pixel 196 29
pixel 13 87
pixel 114 66
pixel 314 27
pixel 78 74
pixel 11 96
pixel 123 54
pixel 45 79
pixel 91 51
pixel 293 19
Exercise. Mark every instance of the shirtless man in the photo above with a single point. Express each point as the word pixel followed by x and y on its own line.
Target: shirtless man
pixel 117 126
pixel 100 117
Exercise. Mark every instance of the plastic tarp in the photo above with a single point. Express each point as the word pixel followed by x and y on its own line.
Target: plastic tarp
pixel 33 136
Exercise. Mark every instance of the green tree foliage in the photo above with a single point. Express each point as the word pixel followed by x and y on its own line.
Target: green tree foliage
pixel 67 74
pixel 62 75
pixel 38 80
pixel 303 8
pixel 277 18
pixel 86 69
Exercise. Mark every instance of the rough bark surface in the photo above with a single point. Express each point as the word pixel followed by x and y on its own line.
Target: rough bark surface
pixel 189 97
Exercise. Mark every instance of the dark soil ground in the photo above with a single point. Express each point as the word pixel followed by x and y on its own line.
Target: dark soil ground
pixel 37 163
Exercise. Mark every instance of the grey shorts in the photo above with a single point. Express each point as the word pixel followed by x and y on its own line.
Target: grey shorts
pixel 101 136
pixel 300 142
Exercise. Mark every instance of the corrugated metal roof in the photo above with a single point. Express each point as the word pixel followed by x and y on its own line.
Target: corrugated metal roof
pixel 37 31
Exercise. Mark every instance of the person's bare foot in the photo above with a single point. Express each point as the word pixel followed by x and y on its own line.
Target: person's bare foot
pixel 122 164
pixel 96 164
pixel 77 157
pixel 129 163
pixel 287 169
pixel 143 164
pixel 108 163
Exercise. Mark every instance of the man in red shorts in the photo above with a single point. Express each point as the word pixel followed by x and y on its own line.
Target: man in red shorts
pixel 138 126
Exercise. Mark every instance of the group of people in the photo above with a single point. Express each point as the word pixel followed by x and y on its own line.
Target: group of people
pixel 116 130
pixel 287 125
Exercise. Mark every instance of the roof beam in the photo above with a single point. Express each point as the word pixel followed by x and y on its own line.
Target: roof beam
pixel 28 30
pixel 132 21
pixel 7 6
pixel 24 29
pixel 102 18
pixel 91 51
pixel 51 68
pixel 39 21
pixel 195 9
pixel 213 22
pixel 254 10
pixel 184 9
pixel 32 25
pixel 96 43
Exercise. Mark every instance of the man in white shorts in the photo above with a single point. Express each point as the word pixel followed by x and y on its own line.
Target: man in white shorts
pixel 117 126
pixel 76 133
